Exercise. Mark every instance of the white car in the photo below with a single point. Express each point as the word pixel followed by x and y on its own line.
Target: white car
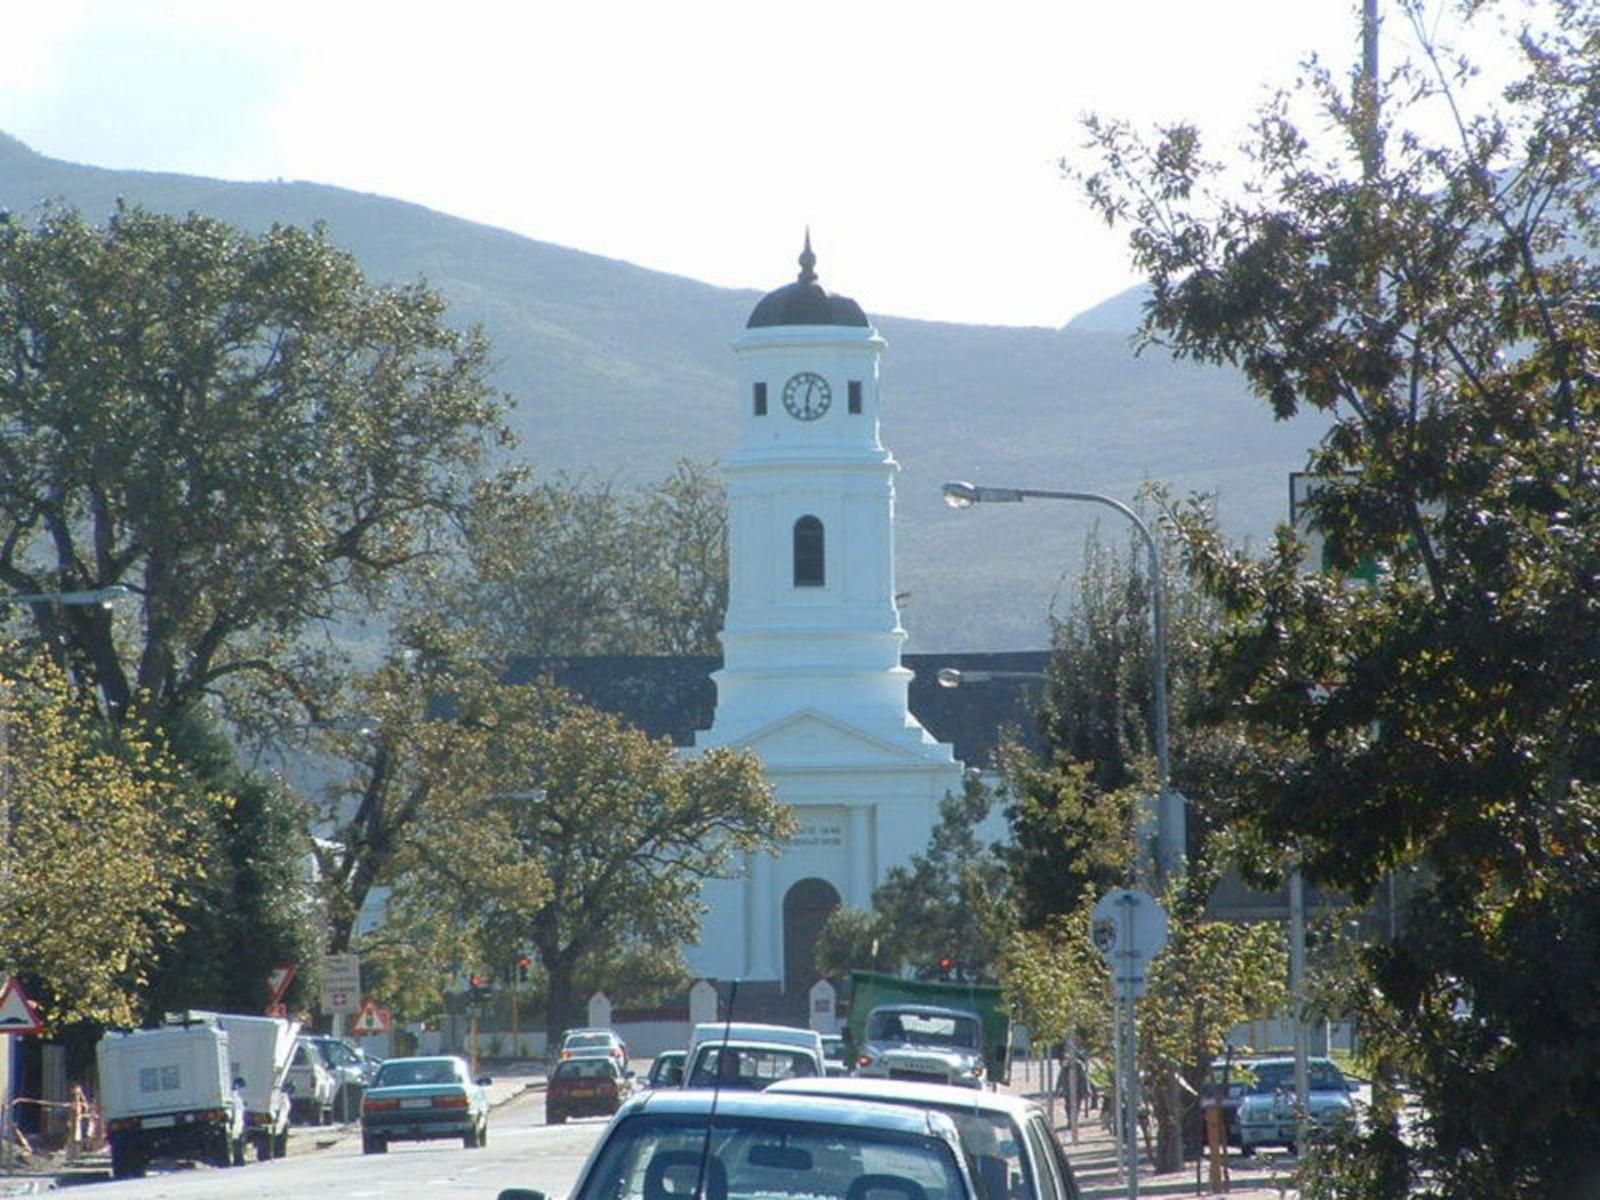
pixel 1010 1147
pixel 1266 1112
pixel 670 1143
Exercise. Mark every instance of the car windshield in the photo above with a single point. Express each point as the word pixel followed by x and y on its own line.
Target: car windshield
pixel 928 1029
pixel 667 1069
pixel 339 1054
pixel 748 1067
pixel 663 1157
pixel 576 1041
pixel 407 1074
pixel 1267 1077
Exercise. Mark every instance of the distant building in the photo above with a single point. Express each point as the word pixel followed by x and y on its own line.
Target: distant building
pixel 811 678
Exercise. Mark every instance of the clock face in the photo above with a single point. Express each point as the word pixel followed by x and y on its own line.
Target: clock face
pixel 807 396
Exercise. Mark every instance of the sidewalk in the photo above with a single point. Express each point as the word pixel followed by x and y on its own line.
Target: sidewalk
pixel 1099 1171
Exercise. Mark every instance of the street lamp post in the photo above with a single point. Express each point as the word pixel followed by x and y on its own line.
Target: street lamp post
pixel 1170 817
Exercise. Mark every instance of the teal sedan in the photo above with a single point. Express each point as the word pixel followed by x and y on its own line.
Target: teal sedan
pixel 421 1099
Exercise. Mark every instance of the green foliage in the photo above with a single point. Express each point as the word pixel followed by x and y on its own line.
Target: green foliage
pixel 1437 299
pixel 251 911
pixel 575 568
pixel 854 939
pixel 102 844
pixel 577 836
pixel 939 906
pixel 238 427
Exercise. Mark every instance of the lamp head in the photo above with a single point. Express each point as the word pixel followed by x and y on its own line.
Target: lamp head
pixel 959 494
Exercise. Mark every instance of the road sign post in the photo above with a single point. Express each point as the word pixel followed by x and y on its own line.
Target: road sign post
pixel 1129 928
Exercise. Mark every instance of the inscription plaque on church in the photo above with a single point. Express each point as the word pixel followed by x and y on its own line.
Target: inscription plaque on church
pixel 818 833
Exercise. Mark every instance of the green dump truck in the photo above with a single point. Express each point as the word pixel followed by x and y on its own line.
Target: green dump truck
pixel 957 1033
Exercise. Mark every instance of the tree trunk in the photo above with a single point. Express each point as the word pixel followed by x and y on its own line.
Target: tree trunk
pixel 1168 1106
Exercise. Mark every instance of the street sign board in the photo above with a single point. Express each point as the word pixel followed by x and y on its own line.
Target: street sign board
pixel 341 983
pixel 16 1010
pixel 1130 929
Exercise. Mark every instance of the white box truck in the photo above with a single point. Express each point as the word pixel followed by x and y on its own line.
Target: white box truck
pixel 260 1050
pixel 167 1093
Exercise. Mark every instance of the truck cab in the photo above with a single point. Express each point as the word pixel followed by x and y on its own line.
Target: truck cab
pixel 924 1043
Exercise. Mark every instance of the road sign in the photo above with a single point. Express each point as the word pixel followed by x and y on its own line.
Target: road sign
pixel 1130 929
pixel 371 1019
pixel 17 1014
pixel 341 983
pixel 278 981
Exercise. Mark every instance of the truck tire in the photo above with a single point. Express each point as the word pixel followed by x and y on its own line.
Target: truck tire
pixel 219 1149
pixel 126 1161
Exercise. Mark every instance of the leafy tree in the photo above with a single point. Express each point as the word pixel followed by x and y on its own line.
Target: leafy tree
pixel 625 831
pixel 855 939
pixel 1437 298
pixel 570 567
pixel 100 841
pixel 936 907
pixel 238 427
pixel 249 910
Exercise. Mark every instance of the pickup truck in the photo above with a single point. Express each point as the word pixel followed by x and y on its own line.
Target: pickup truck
pixel 167 1093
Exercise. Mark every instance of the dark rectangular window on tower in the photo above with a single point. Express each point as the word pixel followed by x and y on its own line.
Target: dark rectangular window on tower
pixel 761 399
pixel 855 396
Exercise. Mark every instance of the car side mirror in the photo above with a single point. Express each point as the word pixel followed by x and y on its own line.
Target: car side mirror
pixel 483 1081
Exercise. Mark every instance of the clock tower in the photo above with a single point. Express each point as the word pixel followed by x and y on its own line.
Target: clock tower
pixel 811 678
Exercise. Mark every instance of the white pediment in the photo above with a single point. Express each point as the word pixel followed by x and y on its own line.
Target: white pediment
pixel 815 741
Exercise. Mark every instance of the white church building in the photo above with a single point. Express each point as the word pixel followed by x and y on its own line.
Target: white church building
pixel 811 678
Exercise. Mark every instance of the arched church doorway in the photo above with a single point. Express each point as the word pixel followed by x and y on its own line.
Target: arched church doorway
pixel 806 907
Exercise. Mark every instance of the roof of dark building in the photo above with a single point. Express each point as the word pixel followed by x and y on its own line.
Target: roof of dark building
pixel 673 697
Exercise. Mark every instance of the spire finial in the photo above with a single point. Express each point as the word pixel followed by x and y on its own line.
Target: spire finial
pixel 807 261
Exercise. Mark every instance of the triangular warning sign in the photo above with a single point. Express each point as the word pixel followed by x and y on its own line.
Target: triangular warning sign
pixel 16 1010
pixel 369 1019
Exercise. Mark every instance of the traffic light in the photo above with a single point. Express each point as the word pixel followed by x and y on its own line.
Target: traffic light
pixel 523 963
pixel 479 989
pixel 947 967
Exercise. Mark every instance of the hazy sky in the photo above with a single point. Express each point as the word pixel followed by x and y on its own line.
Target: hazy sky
pixel 919 141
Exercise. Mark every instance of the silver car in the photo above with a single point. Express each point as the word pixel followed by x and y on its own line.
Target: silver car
pixel 672 1144
pixel 1266 1113
pixel 1012 1153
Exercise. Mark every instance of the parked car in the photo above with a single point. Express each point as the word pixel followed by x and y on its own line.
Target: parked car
pixel 1226 1085
pixel 1267 1108
pixel 329 1075
pixel 592 1086
pixel 1011 1150
pixel 420 1099
pixel 833 1054
pixel 579 1042
pixel 779 1147
pixel 666 1070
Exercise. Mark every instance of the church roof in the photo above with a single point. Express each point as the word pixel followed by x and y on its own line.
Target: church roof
pixel 804 302
pixel 674 696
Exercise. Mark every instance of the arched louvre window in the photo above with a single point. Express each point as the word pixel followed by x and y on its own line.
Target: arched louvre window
pixel 808 553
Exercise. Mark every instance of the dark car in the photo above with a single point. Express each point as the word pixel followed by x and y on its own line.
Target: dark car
pixel 593 1086
pixel 419 1099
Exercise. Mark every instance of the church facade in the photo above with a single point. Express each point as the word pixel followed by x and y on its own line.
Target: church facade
pixel 812 680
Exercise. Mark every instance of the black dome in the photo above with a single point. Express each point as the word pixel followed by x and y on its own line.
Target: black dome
pixel 803 302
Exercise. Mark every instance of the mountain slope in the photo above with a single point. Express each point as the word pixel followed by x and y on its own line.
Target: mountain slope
pixel 619 371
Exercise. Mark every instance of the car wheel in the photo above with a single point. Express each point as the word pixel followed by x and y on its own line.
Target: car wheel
pixel 555 1118
pixel 373 1145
